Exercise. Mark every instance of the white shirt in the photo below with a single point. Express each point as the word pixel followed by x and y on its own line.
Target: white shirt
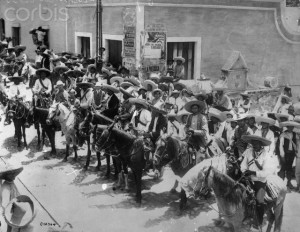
pixel 174 130
pixel 269 136
pixel 13 91
pixel 145 118
pixel 87 100
pixel 38 86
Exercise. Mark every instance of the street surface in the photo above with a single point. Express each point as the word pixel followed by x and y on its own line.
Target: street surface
pixel 86 199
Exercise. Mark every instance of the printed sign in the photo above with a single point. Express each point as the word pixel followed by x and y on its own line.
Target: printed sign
pixel 129 42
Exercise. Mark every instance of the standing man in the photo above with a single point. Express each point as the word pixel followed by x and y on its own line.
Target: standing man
pixel 179 72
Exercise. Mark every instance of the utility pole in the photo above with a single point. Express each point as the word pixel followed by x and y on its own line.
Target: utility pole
pixel 99 36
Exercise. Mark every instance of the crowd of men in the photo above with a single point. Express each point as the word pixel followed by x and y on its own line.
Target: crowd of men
pixel 161 104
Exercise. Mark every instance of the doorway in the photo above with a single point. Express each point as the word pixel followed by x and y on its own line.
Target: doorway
pixel 115 52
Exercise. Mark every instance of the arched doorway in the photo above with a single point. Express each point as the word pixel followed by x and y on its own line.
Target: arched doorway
pixel 2 29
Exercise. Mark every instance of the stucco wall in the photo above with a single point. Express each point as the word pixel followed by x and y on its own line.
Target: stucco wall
pixel 32 14
pixel 253 32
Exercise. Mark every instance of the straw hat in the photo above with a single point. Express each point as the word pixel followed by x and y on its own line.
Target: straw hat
pixel 124 92
pixel 158 109
pixel 126 84
pixel 61 69
pixel 134 81
pixel 9 172
pixel 85 85
pixel 286 98
pixel 175 92
pixel 265 119
pixel 116 78
pixel 179 86
pixel 40 70
pixel 290 123
pixel 60 83
pixel 106 71
pixel 20 47
pixel 172 115
pixel 182 113
pixel 139 101
pixel 142 88
pixel 19 212
pixel 279 115
pixel 251 138
pixel 157 91
pixel 154 76
pixel 238 117
pixel 149 82
pixel 10 49
pixel 16 78
pixel 201 94
pixel 188 105
pixel 179 58
pixel 91 66
pixel 110 87
pixel 213 112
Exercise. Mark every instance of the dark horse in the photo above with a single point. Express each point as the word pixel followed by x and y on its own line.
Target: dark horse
pixel 20 114
pixel 131 153
pixel 89 125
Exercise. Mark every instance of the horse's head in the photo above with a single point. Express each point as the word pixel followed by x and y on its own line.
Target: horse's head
pixel 232 166
pixel 104 139
pixel 160 151
pixel 84 126
pixel 208 177
pixel 25 69
pixel 53 112
pixel 3 98
pixel 13 109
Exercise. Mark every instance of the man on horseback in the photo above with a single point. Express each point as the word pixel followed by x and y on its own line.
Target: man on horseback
pixel 254 165
pixel 42 88
pixel 60 94
pixel 126 109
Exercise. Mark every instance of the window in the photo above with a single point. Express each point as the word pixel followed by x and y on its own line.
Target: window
pixel 85 46
pixel 16 36
pixel 187 51
pixel 2 29
pixel 114 52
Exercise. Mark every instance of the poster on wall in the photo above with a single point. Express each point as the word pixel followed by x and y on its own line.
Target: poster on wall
pixel 154 48
pixel 129 42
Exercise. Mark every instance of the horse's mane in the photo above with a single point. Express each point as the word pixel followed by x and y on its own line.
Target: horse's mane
pixel 172 147
pixel 232 193
pixel 41 113
pixel 122 135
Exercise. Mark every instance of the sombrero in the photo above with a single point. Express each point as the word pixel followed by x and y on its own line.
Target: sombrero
pixel 116 78
pixel 123 91
pixel 179 58
pixel 17 78
pixel 10 49
pixel 139 101
pixel 244 95
pixel 213 112
pixel 179 86
pixel 172 115
pixel 60 83
pixel 189 105
pixel 250 138
pixel 154 76
pixel 10 172
pixel 187 91
pixel 175 92
pixel 69 73
pixel 157 90
pixel 279 115
pixel 78 72
pixel 181 114
pixel 73 57
pixel 85 85
pixel 20 47
pixel 40 70
pixel 290 123
pixel 149 82
pixel 91 66
pixel 66 53
pixel 201 94
pixel 106 71
pixel 142 88
pixel 110 87
pixel 158 110
pixel 134 81
pixel 168 105
pixel 63 59
pixel 126 84
pixel 163 87
pixel 19 212
pixel 286 97
pixel 167 79
pixel 265 119
pixel 58 69
pixel 19 60
pixel 238 117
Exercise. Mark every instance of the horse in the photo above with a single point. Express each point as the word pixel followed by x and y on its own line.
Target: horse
pixel 40 116
pixel 89 125
pixel 233 198
pixel 29 73
pixel 131 153
pixel 20 114
pixel 67 120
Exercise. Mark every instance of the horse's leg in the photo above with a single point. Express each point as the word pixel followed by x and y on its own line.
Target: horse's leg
pixel 18 132
pixel 183 200
pixel 99 161
pixel 75 151
pixel 44 136
pixel 125 169
pixel 24 136
pixel 37 127
pixel 278 212
pixel 67 153
pixel 173 189
pixel 108 165
pixel 88 156
pixel 115 163
pixel 139 186
pixel 271 219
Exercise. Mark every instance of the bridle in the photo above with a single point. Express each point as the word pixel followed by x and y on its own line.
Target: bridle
pixel 163 151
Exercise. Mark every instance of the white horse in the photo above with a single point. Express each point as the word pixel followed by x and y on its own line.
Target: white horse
pixel 67 120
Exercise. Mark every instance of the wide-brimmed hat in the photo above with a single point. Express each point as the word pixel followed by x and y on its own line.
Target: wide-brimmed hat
pixel 188 105
pixel 19 212
pixel 213 112
pixel 70 73
pixel 134 81
pixel 167 79
pixel 110 87
pixel 188 91
pixel 290 123
pixel 142 88
pixel 16 78
pixel 182 113
pixel 163 87
pixel 243 94
pixel 20 47
pixel 287 98
pixel 179 58
pixel 201 94
pixel 124 92
pixel 10 49
pixel 280 115
pixel 172 115
pixel 60 83
pixel 154 76
pixel 251 138
pixel 125 84
pixel 179 86
pixel 91 66
pixel 158 109
pixel 99 84
pixel 265 119
pixel 157 91
pixel 139 101
pixel 61 69
pixel 9 171
pixel 40 70
pixel 106 71
pixel 85 85
pixel 45 53
pixel 238 117
pixel 116 78
pixel 149 82
pixel 175 92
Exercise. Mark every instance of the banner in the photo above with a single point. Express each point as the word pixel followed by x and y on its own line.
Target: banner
pixel 129 42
